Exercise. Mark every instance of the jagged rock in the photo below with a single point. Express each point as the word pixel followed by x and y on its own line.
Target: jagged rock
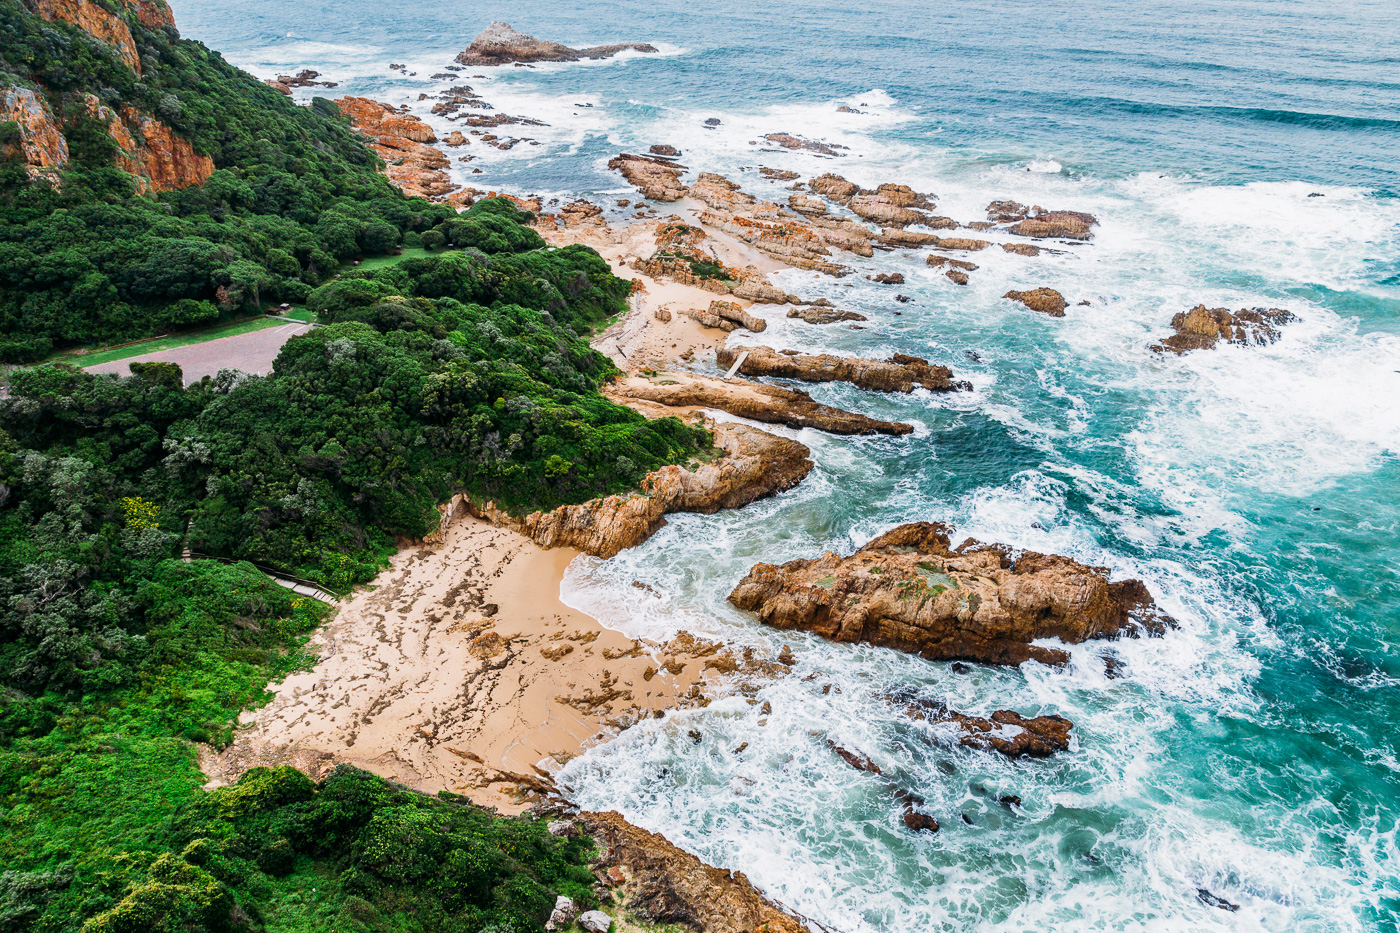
pixel 104 26
pixel 960 243
pixel 730 311
pixel 594 921
pixel 1029 737
pixel 757 464
pixel 1005 212
pixel 1068 225
pixel 148 150
pixel 1021 249
pixel 881 210
pixel 806 205
pixel 1045 300
pixel 834 187
pixel 889 278
pixel 788 141
pixel 755 401
pixel 957 277
pixel 41 145
pixel 775 174
pixel 842 233
pixel 720 194
pixel 669 152
pixel 304 78
pixel 562 915
pixel 819 315
pixel 706 319
pixel 404 143
pixel 500 44
pixel 278 86
pixel 937 261
pixel 919 822
pixel 455 139
pixel 669 886
pixel 908 590
pixel 895 238
pixel 1202 328
pixel 854 759
pixel 898 374
pixel 788 241
pixel 657 179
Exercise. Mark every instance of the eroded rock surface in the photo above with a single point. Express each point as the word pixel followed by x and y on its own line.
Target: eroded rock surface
pixel 501 44
pixel 1045 300
pixel 756 464
pixel 404 143
pixel 908 590
pixel 41 144
pixel 1028 737
pixel 663 884
pixel 1202 328
pixel 1067 225
pixel 823 315
pixel 104 26
pixel 657 179
pixel 897 374
pixel 758 402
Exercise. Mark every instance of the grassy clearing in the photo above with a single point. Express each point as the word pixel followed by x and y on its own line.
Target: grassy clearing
pixel 97 357
pixel 384 262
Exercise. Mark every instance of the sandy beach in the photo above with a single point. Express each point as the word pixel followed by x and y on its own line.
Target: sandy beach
pixel 459 669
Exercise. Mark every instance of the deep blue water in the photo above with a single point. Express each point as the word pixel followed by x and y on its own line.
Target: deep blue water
pixel 1254 751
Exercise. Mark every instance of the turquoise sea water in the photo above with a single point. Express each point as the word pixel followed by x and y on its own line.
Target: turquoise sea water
pixel 1254 751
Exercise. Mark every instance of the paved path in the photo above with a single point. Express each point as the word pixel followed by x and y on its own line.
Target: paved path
pixel 251 352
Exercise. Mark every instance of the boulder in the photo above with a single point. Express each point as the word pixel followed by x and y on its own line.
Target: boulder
pixel 960 243
pixel 1005 212
pixel 1067 225
pixel 889 278
pixel 937 261
pixel 500 44
pixel 1202 328
pixel 1026 737
pixel 594 921
pixel 834 187
pixel 729 311
pixel 909 590
pixel 1021 249
pixel 562 915
pixel 898 374
pixel 1045 300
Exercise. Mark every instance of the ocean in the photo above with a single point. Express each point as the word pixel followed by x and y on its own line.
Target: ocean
pixel 1237 155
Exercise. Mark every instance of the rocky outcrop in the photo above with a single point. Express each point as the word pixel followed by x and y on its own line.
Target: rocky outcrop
pixel 787 241
pixel 1065 225
pixel 657 179
pixel 908 590
pixel 404 143
pixel 159 159
pixel 729 311
pixel 107 28
pixel 960 243
pixel 1202 328
pixel 755 465
pixel 758 402
pixel 822 315
pixel 1006 212
pixel 937 261
pixel 891 206
pixel 898 374
pixel 897 238
pixel 789 141
pixel 720 194
pixel 1045 300
pixel 662 884
pixel 1027 737
pixel 1021 249
pixel 834 187
pixel 500 44
pixel 41 144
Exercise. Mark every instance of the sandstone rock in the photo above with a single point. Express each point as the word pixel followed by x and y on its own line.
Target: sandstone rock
pixel 720 194
pixel 278 86
pixel 937 261
pixel 662 315
pixel 960 243
pixel 788 241
pixel 908 590
pixel 834 187
pixel 891 206
pixel 1021 249
pixel 730 311
pixel 817 315
pixel 757 464
pixel 674 887
pixel 455 138
pixel 788 141
pixel 806 205
pixel 594 921
pixel 854 759
pixel 842 233
pixel 1005 212
pixel 1045 300
pixel 957 276
pixel 157 158
pixel 1069 225
pixel 500 44
pixel 774 174
pixel 42 145
pixel 104 26
pixel 1202 328
pixel 657 179
pixel 403 142
pixel 755 401
pixel 889 278
pixel 706 319
pixel 898 374
pixel 1033 737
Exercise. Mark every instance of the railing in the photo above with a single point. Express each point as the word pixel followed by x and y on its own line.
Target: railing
pixel 317 591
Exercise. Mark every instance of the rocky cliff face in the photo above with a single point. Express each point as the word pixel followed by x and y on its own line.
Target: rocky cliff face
pixel 404 143
pixel 148 150
pixel 909 590
pixel 101 25
pixel 41 143
pixel 502 44
pixel 768 404
pixel 1202 328
pixel 756 465
pixel 897 374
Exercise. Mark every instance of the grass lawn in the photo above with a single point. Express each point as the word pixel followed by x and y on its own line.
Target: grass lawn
pixel 383 262
pixel 97 357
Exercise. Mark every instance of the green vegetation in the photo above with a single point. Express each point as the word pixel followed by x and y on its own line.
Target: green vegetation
pixel 456 365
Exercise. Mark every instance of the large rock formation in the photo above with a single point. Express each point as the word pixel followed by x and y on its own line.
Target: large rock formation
pixel 159 159
pixel 500 44
pixel 755 464
pixel 1202 328
pixel 41 144
pixel 834 187
pixel 818 314
pixel 891 206
pixel 106 27
pixel 909 590
pixel 1042 224
pixel 657 179
pixel 898 374
pixel 788 241
pixel 403 142
pixel 665 885
pixel 1045 300
pixel 758 402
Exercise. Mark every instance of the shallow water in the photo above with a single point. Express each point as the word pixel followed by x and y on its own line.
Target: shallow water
pixel 1253 752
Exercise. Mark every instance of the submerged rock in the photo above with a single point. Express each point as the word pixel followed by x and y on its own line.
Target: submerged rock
pixel 897 374
pixel 817 315
pixel 1202 328
pixel 756 464
pixel 1028 737
pixel 1045 300
pixel 765 403
pixel 908 590
pixel 501 44
pixel 788 141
